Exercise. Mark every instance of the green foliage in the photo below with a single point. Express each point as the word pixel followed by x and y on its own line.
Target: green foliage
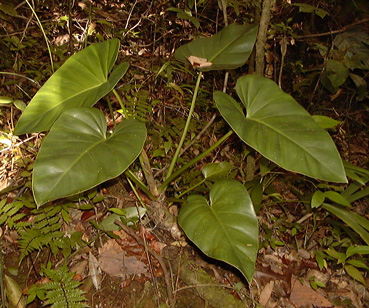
pixel 80 82
pixel 350 265
pixel 78 142
pixel 186 15
pixel 350 52
pixel 226 228
pixel 307 8
pixel 10 214
pixel 339 204
pixel 228 49
pixel 280 129
pixel 60 292
pixel 137 102
pixel 44 231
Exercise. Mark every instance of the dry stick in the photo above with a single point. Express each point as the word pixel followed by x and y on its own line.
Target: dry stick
pixel 155 255
pixel 334 31
pixel 283 42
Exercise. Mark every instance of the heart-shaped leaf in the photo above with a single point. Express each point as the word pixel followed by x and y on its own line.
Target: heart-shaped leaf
pixel 228 49
pixel 280 129
pixel 79 154
pixel 80 82
pixel 227 228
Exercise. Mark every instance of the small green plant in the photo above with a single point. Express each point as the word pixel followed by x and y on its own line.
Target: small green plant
pixel 79 153
pixel 339 203
pixel 350 264
pixel 315 284
pixel 60 289
pixel 10 213
pixel 44 231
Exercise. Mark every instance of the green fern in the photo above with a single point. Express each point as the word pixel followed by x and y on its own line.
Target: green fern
pixel 60 292
pixel 138 105
pixel 44 231
pixel 10 214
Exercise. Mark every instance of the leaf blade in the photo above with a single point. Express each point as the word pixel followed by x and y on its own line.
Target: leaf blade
pixel 80 82
pixel 228 49
pixel 280 129
pixel 227 229
pixel 76 145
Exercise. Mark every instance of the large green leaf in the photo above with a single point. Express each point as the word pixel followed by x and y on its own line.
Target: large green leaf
pixel 227 228
pixel 280 129
pixel 228 49
pixel 79 154
pixel 80 82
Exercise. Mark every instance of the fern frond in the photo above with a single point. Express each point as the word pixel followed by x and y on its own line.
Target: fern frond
pixel 62 291
pixel 30 240
pixel 44 231
pixel 10 213
pixel 138 105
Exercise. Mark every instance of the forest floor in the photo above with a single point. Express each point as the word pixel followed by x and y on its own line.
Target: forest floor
pixel 287 273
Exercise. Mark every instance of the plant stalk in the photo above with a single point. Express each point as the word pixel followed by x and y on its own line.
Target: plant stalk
pixel 130 175
pixel 191 188
pixel 192 162
pixel 193 103
pixel 124 110
pixel 44 34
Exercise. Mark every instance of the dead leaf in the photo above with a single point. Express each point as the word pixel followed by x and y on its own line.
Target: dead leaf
pixel 304 296
pixel 94 271
pixel 79 267
pixel 199 62
pixel 61 40
pixel 113 261
pixel 14 293
pixel 266 293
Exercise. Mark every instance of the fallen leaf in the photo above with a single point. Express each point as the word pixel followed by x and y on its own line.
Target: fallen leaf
pixel 113 261
pixel 199 62
pixel 304 296
pixel 94 271
pixel 266 293
pixel 14 292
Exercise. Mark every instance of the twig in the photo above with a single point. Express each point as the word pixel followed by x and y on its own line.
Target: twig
pixel 155 255
pixel 204 285
pixel 332 32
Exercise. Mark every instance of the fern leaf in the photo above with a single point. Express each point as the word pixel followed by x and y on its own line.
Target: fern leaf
pixel 63 291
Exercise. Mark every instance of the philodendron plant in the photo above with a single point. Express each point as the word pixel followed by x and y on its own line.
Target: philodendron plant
pixel 79 153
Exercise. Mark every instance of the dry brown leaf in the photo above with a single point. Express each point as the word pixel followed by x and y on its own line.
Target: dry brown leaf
pixel 113 261
pixel 199 62
pixel 94 271
pixel 266 293
pixel 304 296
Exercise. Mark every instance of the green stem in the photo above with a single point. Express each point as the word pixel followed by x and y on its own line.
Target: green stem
pixel 130 175
pixel 191 188
pixel 193 103
pixel 19 75
pixel 137 195
pixel 44 34
pixel 124 110
pixel 192 162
